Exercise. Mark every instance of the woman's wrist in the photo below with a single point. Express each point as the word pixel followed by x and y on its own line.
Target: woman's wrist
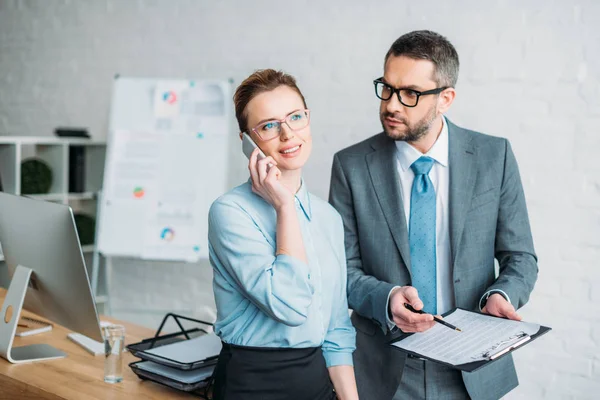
pixel 286 208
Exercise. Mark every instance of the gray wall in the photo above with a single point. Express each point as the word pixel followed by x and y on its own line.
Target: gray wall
pixel 529 72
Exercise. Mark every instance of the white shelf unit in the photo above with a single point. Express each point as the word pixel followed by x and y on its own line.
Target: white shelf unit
pixel 55 152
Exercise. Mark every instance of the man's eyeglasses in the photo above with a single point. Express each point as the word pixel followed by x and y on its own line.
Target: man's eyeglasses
pixel 408 97
pixel 296 120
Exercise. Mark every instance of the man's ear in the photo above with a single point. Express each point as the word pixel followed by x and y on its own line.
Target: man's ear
pixel 445 100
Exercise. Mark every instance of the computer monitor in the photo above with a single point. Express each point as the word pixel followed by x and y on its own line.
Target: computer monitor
pixel 44 258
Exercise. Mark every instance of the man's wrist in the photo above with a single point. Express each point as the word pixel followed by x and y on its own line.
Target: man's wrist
pixel 389 316
pixel 486 296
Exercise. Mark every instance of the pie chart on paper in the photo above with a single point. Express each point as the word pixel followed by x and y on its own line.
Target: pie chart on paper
pixel 167 234
pixel 138 192
pixel 170 97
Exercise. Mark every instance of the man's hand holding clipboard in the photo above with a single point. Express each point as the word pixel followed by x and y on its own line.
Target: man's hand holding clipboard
pixel 498 306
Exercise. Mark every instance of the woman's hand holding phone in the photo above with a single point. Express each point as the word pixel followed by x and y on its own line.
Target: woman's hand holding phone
pixel 265 182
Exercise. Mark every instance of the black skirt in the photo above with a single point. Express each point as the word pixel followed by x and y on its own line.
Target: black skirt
pixel 260 373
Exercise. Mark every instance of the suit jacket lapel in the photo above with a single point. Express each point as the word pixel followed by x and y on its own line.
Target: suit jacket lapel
pixel 462 181
pixel 384 177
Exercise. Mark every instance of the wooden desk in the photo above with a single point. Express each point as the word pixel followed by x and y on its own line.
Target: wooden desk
pixel 80 375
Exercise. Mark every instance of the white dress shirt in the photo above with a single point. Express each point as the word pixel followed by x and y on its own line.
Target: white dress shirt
pixel 406 155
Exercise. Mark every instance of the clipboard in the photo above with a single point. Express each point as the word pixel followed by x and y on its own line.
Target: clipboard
pixel 475 365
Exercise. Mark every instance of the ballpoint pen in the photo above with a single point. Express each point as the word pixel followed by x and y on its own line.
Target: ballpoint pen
pixel 436 319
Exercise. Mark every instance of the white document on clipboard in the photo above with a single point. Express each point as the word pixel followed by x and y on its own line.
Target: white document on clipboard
pixel 483 337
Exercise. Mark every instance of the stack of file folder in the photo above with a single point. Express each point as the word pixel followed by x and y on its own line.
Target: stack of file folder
pixel 183 360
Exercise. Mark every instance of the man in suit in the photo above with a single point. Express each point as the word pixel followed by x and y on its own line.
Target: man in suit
pixel 427 206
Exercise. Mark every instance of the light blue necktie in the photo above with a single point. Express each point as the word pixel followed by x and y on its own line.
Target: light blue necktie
pixel 421 234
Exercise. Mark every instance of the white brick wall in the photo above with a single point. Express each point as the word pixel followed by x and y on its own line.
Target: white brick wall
pixel 529 72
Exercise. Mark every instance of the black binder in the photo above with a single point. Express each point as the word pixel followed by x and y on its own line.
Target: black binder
pixel 76 169
pixel 476 365
pixel 76 158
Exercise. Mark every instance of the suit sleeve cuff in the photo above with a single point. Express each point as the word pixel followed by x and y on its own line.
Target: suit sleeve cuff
pixel 390 324
pixel 487 294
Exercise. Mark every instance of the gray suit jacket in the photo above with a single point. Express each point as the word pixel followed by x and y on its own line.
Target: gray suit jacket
pixel 488 219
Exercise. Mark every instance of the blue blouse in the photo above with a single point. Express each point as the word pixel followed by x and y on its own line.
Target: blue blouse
pixel 264 300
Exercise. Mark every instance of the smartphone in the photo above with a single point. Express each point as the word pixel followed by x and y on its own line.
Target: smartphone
pixel 248 146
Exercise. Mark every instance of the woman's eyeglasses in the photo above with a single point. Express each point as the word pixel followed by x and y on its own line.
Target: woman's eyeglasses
pixel 296 120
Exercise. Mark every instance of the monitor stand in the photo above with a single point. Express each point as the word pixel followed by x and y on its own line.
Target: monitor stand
pixel 9 317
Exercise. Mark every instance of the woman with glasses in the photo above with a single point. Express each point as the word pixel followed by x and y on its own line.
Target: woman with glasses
pixel 279 263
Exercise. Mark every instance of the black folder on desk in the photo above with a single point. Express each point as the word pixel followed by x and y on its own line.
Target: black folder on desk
pixel 187 381
pixel 189 371
pixel 475 365
pixel 187 354
pixel 167 349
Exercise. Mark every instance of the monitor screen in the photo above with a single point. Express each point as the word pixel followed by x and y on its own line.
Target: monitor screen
pixel 42 236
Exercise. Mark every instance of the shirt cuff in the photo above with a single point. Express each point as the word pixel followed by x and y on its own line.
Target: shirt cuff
pixel 391 325
pixel 487 294
pixel 335 358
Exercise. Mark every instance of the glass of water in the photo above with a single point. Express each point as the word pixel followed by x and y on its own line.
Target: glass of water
pixel 114 339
